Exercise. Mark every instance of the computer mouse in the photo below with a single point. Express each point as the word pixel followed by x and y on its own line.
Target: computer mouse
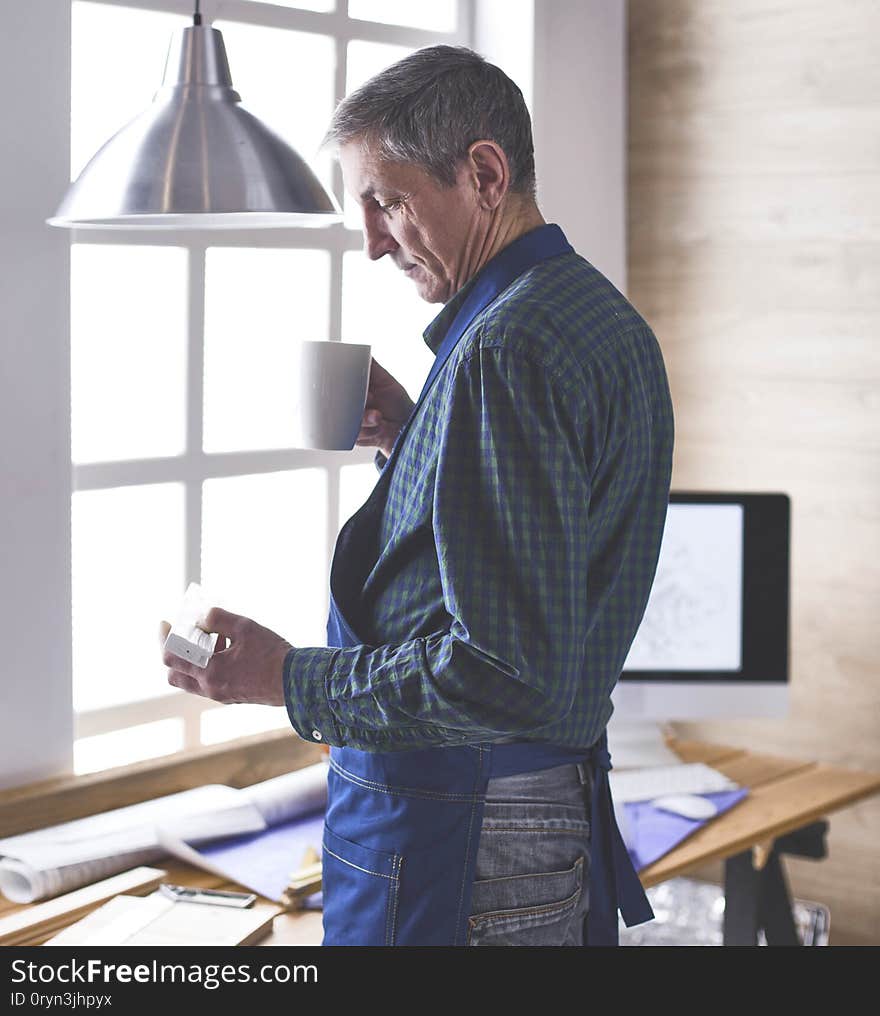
pixel 687 805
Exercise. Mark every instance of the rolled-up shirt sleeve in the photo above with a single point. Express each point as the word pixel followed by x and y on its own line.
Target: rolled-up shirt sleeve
pixel 510 516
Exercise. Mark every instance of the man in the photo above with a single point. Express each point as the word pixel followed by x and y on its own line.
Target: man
pixel 484 598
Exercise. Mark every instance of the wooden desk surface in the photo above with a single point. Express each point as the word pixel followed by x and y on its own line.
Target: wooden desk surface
pixel 785 795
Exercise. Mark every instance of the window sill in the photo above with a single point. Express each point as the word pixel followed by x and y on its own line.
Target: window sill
pixel 237 764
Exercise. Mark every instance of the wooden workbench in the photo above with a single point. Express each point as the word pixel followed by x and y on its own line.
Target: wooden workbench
pixel 787 795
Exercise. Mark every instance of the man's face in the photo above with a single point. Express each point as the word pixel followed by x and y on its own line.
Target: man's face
pixel 428 229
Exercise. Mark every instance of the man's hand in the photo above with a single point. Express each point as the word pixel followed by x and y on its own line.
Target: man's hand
pixel 387 408
pixel 247 664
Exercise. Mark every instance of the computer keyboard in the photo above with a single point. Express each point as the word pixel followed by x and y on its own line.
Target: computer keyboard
pixel 660 781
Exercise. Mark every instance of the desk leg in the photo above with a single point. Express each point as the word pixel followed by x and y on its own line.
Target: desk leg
pixel 775 913
pixel 741 890
pixel 756 899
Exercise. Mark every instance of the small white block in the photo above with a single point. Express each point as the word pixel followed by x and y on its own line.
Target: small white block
pixel 186 639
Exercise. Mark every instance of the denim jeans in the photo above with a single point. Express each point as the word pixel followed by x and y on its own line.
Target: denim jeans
pixel 533 860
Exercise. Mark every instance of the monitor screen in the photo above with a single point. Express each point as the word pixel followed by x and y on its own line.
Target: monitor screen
pixel 718 607
pixel 693 620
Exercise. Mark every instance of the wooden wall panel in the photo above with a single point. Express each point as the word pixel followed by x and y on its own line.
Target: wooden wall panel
pixel 754 252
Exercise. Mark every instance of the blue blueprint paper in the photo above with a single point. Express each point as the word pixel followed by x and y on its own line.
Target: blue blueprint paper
pixel 652 833
pixel 265 861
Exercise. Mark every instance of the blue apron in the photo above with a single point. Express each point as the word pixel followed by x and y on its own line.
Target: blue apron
pixel 402 828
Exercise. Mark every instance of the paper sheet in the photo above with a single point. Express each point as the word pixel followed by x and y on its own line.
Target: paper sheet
pixel 47 862
pixel 650 833
pixel 264 862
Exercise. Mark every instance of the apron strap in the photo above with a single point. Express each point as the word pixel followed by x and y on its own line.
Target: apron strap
pixel 532 249
pixel 614 883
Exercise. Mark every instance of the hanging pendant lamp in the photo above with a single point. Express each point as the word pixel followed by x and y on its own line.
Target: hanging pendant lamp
pixel 196 159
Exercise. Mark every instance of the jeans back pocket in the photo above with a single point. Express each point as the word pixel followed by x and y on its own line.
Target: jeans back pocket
pixel 552 911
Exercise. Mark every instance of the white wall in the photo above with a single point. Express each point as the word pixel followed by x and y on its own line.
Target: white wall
pixel 36 715
pixel 578 104
pixel 504 33
pixel 580 125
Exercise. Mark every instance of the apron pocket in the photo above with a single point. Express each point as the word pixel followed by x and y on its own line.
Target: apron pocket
pixel 361 887
pixel 555 899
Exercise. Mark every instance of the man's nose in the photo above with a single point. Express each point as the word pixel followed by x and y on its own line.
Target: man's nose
pixel 378 241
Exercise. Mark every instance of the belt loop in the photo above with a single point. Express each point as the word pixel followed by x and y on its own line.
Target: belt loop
pixel 582 773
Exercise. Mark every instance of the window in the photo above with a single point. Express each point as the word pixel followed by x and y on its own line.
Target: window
pixel 180 366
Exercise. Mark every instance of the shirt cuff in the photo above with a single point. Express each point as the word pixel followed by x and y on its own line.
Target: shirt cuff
pixel 305 695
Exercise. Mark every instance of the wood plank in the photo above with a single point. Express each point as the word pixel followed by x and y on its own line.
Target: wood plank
pixel 7 906
pixel 794 142
pixel 32 920
pixel 303 928
pixel 752 770
pixel 752 56
pixel 771 810
pixel 702 751
pixel 754 210
pixel 780 278
pixel 63 799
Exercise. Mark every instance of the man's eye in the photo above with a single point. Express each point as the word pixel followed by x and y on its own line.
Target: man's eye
pixel 389 206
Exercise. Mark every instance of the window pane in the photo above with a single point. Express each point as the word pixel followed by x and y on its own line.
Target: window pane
pixel 355 486
pixel 117 62
pixel 286 79
pixel 352 212
pixel 240 720
pixel 258 302
pixel 437 16
pixel 364 59
pixel 264 550
pixel 122 747
pixel 128 575
pixel 380 305
pixel 128 317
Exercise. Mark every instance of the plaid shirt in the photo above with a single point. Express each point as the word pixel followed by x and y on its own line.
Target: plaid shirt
pixel 520 536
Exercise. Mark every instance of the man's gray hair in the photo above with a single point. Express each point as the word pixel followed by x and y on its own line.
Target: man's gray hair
pixel 429 107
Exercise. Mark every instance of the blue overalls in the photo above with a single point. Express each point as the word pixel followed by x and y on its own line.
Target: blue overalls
pixel 402 828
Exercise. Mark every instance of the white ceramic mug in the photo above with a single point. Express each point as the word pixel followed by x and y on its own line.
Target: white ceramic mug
pixel 331 385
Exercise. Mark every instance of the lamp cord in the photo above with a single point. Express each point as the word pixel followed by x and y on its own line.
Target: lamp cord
pixel 197 18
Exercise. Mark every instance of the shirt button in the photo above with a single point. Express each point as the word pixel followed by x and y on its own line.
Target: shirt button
pixel 317 735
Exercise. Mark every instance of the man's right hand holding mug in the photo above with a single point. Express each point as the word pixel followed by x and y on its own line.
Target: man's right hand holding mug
pixel 386 410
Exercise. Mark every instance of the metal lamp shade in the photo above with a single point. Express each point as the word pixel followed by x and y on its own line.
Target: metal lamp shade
pixel 196 159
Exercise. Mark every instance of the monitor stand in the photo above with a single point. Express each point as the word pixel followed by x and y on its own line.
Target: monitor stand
pixel 638 744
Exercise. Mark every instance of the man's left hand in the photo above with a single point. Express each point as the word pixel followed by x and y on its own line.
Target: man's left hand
pixel 246 666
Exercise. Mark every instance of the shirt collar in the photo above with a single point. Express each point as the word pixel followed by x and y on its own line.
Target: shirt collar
pixel 436 331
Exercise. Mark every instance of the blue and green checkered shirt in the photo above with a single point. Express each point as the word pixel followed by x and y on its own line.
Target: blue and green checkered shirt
pixel 520 536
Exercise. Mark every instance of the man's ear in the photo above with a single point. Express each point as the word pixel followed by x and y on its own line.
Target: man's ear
pixel 490 171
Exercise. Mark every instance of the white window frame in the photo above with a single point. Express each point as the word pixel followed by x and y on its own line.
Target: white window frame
pixel 195 466
pixel 574 69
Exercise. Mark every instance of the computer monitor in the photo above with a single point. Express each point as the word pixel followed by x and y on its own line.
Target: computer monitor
pixel 713 641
